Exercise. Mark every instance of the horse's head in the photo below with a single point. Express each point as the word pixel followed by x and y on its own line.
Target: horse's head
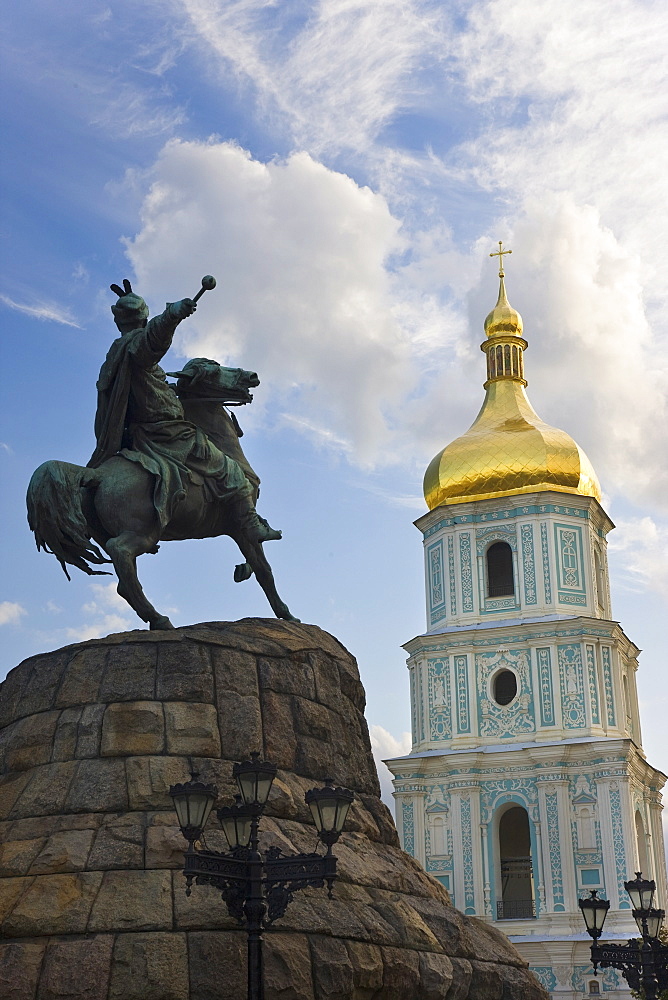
pixel 204 379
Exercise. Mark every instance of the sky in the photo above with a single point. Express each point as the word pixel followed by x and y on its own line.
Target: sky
pixel 343 168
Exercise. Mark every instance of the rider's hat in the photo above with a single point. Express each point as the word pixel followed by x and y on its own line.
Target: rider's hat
pixel 130 310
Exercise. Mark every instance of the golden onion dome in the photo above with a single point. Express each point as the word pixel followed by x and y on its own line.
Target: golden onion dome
pixel 508 449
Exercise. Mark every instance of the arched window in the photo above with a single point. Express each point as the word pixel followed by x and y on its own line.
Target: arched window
pixel 517 894
pixel 594 988
pixel 500 570
pixel 438 836
pixel 586 828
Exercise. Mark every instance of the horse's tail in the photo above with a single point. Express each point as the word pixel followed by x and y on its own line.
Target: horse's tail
pixel 56 516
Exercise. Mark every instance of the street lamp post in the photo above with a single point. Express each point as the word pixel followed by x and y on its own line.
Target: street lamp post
pixel 257 889
pixel 643 962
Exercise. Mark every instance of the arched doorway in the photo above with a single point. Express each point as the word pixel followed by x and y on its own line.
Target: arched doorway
pixel 516 900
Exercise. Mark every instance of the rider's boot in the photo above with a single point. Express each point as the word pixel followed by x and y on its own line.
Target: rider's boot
pixel 255 527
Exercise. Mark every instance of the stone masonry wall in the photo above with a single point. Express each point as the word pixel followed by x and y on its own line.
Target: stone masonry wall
pixel 92 902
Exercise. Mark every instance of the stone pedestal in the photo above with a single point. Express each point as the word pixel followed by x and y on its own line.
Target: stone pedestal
pixel 92 904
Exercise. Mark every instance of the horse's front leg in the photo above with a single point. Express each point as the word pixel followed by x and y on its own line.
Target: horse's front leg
pixel 124 549
pixel 258 562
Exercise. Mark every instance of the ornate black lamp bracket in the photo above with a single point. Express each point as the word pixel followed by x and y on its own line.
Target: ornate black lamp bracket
pixel 625 957
pixel 286 874
pixel 644 966
pixel 282 876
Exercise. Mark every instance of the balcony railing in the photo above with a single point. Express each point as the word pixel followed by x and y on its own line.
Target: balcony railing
pixel 515 909
pixel 501 590
pixel 516 868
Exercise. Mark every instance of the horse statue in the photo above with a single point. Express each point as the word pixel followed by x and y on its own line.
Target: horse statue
pixel 114 503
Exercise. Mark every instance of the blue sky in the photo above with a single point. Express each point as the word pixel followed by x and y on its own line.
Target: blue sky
pixel 343 167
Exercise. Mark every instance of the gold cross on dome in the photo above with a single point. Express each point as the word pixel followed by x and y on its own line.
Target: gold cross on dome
pixel 500 254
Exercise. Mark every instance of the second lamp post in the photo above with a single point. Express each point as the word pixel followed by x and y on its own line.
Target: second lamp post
pixel 642 962
pixel 256 888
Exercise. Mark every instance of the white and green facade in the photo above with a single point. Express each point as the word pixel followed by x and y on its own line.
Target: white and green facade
pixel 527 785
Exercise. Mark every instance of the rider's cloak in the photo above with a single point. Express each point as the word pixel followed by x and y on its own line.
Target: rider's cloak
pixel 140 417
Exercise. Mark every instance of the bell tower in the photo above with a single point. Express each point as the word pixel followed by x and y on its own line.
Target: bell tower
pixel 526 785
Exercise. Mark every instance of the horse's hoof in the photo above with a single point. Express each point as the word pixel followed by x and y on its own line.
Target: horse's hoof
pixel 269 534
pixel 287 617
pixel 265 531
pixel 162 622
pixel 242 572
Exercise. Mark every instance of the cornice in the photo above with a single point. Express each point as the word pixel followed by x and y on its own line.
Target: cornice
pixel 613 758
pixel 518 631
pixel 514 506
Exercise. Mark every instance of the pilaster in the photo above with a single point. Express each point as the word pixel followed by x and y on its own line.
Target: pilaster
pixel 566 845
pixel 658 853
pixel 457 849
pixel 476 851
pixel 628 821
pixel 612 843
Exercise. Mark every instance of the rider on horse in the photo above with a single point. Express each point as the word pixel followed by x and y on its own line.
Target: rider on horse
pixel 140 417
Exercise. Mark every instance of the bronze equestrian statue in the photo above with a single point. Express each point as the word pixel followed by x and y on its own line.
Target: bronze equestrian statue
pixel 167 465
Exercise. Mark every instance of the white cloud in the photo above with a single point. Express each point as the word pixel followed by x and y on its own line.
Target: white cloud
pixel 105 596
pixel 303 294
pixel 642 544
pixel 592 365
pixel 104 17
pixel 131 112
pixel 105 613
pixel 11 612
pixel 573 105
pixel 104 625
pixel 336 80
pixel 385 746
pixel 569 128
pixel 319 436
pixel 413 502
pixel 80 272
pixel 50 311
